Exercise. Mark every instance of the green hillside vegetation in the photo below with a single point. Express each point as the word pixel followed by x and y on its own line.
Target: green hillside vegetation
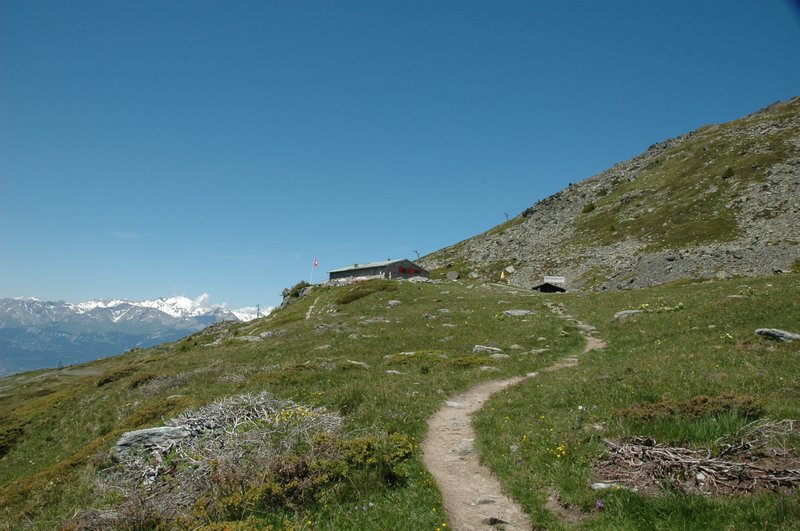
pixel 727 188
pixel 58 425
pixel 688 373
pixel 681 198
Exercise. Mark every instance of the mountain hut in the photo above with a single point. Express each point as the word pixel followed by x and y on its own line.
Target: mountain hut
pixel 402 268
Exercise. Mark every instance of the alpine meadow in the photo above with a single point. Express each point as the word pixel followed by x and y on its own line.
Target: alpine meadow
pixel 641 398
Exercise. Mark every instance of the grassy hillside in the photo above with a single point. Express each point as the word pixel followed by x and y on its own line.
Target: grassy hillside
pixel 686 196
pixel 332 350
pixel 688 373
pixel 58 426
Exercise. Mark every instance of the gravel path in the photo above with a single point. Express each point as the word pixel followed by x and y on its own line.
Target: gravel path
pixel 473 496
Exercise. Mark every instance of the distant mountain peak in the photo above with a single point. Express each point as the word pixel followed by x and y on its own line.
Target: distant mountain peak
pixel 36 333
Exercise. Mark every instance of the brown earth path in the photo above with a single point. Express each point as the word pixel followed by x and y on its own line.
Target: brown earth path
pixel 473 496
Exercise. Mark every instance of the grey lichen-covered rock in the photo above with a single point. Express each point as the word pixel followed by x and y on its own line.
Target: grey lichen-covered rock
pixel 393 303
pixel 306 290
pixel 453 275
pixel 518 313
pixel 147 439
pixel 499 356
pixel 586 329
pixel 778 335
pixel 626 314
pixel 360 364
pixel 374 320
pixel 483 348
pixel 465 447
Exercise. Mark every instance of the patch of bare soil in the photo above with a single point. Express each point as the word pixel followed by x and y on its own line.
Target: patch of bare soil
pixel 567 513
pixel 593 343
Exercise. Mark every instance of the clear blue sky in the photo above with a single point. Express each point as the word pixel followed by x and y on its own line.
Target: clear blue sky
pixel 157 148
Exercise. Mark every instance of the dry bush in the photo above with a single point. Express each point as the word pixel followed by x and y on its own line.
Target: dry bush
pixel 232 437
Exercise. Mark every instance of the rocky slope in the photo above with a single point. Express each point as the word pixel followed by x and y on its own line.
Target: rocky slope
pixel 723 200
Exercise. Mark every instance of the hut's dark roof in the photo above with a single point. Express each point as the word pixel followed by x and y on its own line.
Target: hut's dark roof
pixel 356 267
pixel 549 288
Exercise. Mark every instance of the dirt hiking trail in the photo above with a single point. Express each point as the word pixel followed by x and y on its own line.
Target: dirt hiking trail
pixel 473 496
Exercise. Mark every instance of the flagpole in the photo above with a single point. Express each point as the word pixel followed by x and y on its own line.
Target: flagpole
pixel 313 267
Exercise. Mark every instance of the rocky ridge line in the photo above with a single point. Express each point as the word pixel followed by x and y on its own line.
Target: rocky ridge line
pixel 767 212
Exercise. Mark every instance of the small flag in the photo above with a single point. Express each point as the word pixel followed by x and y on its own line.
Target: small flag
pixel 315 262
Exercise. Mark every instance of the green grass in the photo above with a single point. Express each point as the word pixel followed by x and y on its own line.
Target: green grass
pixel 683 377
pixel 73 416
pixel 359 291
pixel 687 373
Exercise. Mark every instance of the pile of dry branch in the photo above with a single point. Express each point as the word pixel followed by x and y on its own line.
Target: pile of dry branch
pixel 755 458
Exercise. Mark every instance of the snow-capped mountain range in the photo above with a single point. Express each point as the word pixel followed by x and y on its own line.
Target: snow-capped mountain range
pixel 37 334
pixel 178 307
pixel 30 310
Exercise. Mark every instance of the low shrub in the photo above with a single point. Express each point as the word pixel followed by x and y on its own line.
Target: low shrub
pixel 295 290
pixel 699 420
pixel 114 375
pixel 368 288
pixel 11 431
pixel 698 406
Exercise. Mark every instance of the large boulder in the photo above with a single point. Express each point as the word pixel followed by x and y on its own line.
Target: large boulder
pixel 778 335
pixel 148 439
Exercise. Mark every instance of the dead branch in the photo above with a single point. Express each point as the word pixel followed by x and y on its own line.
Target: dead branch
pixel 643 460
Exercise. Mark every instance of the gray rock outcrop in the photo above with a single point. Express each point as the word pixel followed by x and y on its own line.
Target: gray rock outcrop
pixel 518 313
pixel 778 335
pixel 625 314
pixel 484 348
pixel 619 230
pixel 148 439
